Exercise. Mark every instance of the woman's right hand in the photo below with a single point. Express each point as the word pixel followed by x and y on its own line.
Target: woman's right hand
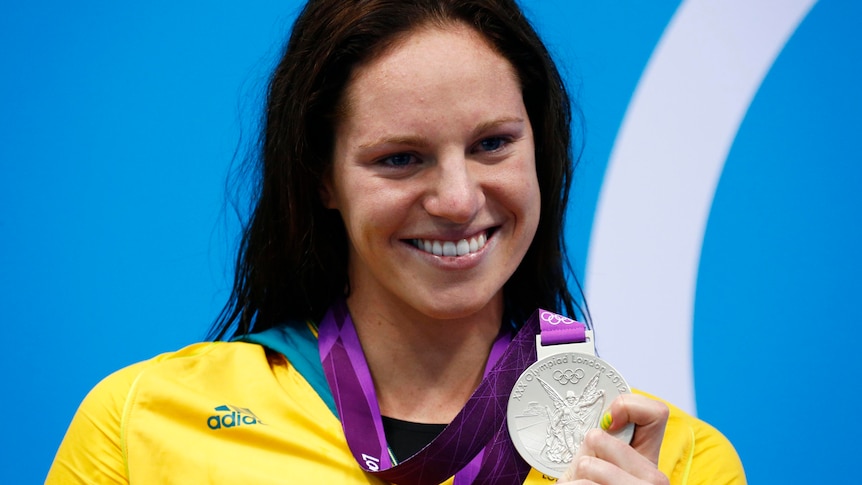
pixel 604 459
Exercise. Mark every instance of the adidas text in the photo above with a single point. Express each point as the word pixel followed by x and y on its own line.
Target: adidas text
pixel 236 417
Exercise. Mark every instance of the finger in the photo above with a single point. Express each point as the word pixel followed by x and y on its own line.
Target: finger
pixel 589 467
pixel 605 459
pixel 649 417
pixel 591 470
pixel 637 409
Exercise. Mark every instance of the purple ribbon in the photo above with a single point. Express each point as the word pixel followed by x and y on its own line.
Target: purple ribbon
pixel 475 446
pixel 557 329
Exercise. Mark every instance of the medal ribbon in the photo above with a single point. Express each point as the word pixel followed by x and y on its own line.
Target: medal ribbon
pixel 475 446
pixel 557 329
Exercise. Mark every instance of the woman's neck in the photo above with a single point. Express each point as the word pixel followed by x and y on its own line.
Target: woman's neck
pixel 424 369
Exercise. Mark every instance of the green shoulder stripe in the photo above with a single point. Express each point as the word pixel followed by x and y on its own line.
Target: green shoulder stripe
pixel 298 344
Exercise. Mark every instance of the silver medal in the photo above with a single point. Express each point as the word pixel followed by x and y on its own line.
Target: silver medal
pixel 556 401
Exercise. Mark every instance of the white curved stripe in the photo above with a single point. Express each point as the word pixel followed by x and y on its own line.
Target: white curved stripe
pixel 661 178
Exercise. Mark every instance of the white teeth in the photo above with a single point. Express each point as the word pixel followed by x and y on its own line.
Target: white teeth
pixel 463 247
pixel 451 248
pixel 436 248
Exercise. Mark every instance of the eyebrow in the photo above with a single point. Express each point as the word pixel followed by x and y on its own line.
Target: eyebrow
pixel 421 142
pixel 411 140
pixel 490 125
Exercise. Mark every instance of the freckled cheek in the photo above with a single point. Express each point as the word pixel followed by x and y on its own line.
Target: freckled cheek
pixel 531 216
pixel 360 202
pixel 377 221
pixel 531 203
pixel 522 188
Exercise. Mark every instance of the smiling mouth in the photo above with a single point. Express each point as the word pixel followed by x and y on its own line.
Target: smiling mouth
pixel 461 247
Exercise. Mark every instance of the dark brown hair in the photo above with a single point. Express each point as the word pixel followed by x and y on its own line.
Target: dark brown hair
pixel 292 261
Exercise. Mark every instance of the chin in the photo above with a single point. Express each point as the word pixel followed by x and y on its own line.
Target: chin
pixel 459 307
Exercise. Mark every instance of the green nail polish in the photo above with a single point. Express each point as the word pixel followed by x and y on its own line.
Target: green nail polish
pixel 606 421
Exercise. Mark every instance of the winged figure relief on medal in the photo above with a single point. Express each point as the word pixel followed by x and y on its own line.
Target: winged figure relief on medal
pixel 554 429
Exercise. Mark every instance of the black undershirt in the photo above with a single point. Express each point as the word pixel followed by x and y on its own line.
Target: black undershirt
pixel 406 438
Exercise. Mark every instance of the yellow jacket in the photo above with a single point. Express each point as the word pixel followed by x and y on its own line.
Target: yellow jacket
pixel 235 412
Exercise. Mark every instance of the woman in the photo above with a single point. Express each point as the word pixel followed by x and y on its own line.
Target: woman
pixel 415 170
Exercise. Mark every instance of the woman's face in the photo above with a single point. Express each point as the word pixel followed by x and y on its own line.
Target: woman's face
pixel 434 175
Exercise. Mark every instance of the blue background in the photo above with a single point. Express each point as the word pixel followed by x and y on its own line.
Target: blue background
pixel 119 124
pixel 778 285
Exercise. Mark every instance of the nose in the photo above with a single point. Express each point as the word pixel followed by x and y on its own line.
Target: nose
pixel 455 193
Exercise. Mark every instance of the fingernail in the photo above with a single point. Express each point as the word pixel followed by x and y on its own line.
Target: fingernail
pixel 607 420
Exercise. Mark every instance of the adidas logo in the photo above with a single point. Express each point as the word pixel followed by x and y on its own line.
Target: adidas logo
pixel 233 416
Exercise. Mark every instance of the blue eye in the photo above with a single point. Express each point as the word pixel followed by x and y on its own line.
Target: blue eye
pixel 398 160
pixel 492 144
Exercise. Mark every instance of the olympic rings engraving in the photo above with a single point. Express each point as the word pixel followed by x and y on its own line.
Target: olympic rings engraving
pixel 554 319
pixel 568 376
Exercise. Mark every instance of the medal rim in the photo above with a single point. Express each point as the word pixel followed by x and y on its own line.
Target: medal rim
pixel 625 434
